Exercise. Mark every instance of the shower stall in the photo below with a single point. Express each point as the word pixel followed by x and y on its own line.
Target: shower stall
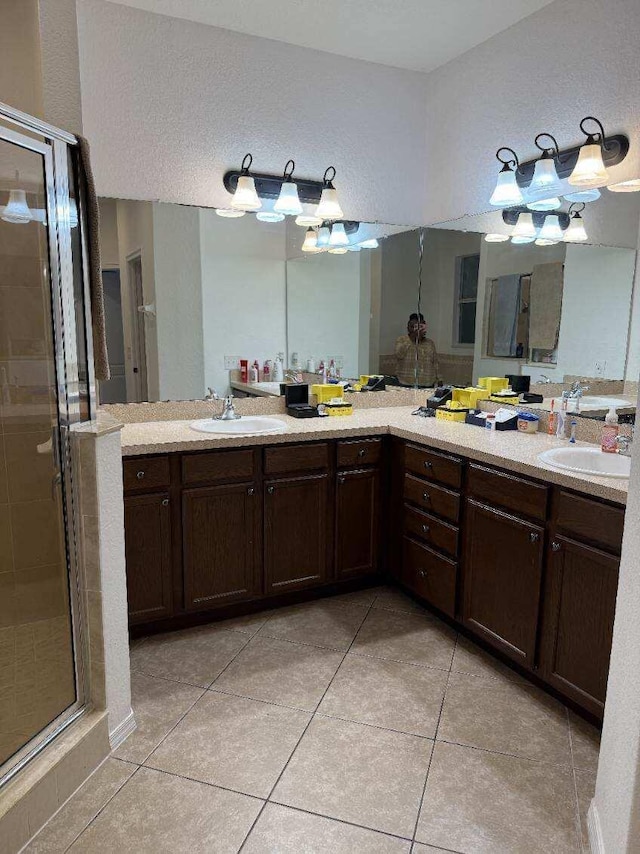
pixel 46 386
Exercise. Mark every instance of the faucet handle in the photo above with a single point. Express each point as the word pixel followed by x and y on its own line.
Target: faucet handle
pixel 212 395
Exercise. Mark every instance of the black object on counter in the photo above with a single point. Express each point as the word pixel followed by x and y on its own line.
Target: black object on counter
pixel 303 410
pixel 530 397
pixel 519 382
pixel 440 396
pixel 375 383
pixel 295 393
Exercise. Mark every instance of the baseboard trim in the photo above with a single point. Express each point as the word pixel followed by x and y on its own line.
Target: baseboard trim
pixel 122 731
pixel 594 830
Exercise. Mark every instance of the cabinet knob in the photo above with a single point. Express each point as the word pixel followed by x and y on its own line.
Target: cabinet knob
pixel 425 529
pixel 422 573
pixel 534 537
pixel 341 479
pixel 270 490
pixel 250 491
pixel 555 547
pixel 140 475
pixel 361 452
pixel 165 502
pixel 426 496
pixel 428 465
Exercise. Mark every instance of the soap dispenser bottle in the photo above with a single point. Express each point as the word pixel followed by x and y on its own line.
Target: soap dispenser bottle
pixel 278 369
pixel 610 432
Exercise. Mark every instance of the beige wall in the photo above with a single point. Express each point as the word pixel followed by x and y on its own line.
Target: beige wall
pixel 20 71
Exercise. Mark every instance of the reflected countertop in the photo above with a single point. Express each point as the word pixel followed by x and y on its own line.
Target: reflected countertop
pixel 509 450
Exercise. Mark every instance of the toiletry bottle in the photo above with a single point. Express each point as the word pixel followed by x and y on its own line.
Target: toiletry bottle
pixel 610 432
pixel 254 372
pixel 295 362
pixel 266 371
pixel 490 423
pixel 561 416
pixel 574 424
pixel 553 419
pixel 278 370
pixel 244 370
pixel 311 365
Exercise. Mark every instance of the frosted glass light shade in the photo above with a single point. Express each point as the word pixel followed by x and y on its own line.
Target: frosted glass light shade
pixel 308 221
pixel 245 197
pixel 323 236
pixel 590 170
pixel 583 196
pixel 545 204
pixel 17 210
pixel 269 216
pixel 338 236
pixel 372 243
pixel 545 182
pixel 229 213
pixel 288 202
pixel 338 250
pixel 519 240
pixel 525 227
pixel 494 237
pixel 544 241
pixel 551 229
pixel 354 248
pixel 576 232
pixel 329 206
pixel 507 192
pixel 632 186
pixel 310 243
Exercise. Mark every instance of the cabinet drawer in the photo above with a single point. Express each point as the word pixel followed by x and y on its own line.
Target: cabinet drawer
pixel 438 534
pixel 292 458
pixel 430 575
pixel 589 520
pixel 145 473
pixel 434 466
pixel 433 498
pixel 362 452
pixel 523 497
pixel 216 466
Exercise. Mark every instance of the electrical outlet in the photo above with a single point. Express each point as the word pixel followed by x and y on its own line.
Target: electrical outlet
pixel 231 363
pixel 600 369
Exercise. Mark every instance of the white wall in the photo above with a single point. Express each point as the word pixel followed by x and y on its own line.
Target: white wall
pixel 399 286
pixel 170 105
pixel 109 251
pixel 243 292
pixel 633 349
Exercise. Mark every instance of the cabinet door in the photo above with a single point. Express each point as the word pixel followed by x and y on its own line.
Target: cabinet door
pixel 296 539
pixel 357 522
pixel 221 548
pixel 580 604
pixel 148 556
pixel 502 580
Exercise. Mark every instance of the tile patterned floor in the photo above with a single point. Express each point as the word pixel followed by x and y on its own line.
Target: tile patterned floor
pixel 356 724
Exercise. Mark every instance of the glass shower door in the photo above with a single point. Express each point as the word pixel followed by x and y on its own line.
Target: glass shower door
pixel 39 677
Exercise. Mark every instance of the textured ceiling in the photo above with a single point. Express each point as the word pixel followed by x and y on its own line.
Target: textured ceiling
pixel 415 34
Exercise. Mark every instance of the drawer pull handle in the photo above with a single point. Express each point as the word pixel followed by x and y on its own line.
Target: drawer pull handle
pixel 341 479
pixel 250 491
pixel 425 529
pixel 428 465
pixel 270 490
pixel 165 502
pixel 555 547
pixel 426 496
pixel 140 475
pixel 422 573
pixel 534 537
pixel 361 452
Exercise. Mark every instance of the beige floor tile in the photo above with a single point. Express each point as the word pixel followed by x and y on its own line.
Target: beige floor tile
pixel 419 848
pixel 506 717
pixel 585 743
pixel 155 812
pixel 326 624
pixel 389 694
pixel 82 808
pixel 248 625
pixel 158 705
pixel 195 656
pixel 368 776
pixel 586 789
pixel 358 597
pixel 281 672
pixel 393 599
pixel 487 803
pixel 287 831
pixel 232 742
pixel 405 637
pixel 469 658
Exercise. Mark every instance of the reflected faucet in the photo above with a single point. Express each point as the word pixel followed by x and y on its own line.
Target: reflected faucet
pixel 228 411
pixel 576 390
pixel 624 444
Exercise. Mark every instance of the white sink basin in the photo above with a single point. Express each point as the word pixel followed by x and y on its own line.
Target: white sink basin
pixel 589 402
pixel 269 387
pixel 248 425
pixel 587 461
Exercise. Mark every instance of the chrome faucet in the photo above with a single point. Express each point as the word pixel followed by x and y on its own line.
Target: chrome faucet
pixel 624 444
pixel 228 411
pixel 212 395
pixel 544 380
pixel 577 390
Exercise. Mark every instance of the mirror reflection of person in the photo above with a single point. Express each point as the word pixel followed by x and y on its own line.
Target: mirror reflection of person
pixel 427 356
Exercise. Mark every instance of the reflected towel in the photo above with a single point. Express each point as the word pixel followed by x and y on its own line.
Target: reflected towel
pixel 505 304
pixel 547 282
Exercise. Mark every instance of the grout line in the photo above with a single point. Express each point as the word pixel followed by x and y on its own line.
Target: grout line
pixel 375 726
pixel 202 782
pixel 168 678
pixel 226 693
pixel 230 662
pixel 543 762
pixel 341 821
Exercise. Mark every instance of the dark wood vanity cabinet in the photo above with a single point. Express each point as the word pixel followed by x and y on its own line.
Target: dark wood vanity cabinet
pixel 358 517
pixel 148 555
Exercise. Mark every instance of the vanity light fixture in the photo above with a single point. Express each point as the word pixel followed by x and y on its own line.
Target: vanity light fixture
pixel 545 204
pixel 308 221
pixel 583 195
pixel 229 213
pixel 632 186
pixel 576 232
pixel 354 247
pixel 545 183
pixel 310 243
pixel 338 236
pixel 507 192
pixel 338 250
pixel 590 170
pixel 494 237
pixel 288 202
pixel 245 197
pixel 551 230
pixel 371 243
pixel 524 229
pixel 323 236
pixel 269 216
pixel 329 206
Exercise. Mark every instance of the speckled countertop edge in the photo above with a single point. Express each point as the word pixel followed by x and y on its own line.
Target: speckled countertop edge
pixel 509 450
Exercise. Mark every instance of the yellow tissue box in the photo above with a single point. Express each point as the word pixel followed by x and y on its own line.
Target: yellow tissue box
pixel 338 408
pixel 493 384
pixel 469 396
pixel 325 392
pixel 452 411
pixel 511 399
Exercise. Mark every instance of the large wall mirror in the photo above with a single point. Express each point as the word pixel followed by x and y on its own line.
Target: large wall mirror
pixel 190 293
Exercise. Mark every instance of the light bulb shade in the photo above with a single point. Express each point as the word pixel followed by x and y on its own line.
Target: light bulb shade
pixel 245 197
pixel 323 236
pixel 543 241
pixel 583 196
pixel 545 182
pixel 310 243
pixel 372 243
pixel 551 229
pixel 338 236
pixel 229 213
pixel 338 250
pixel 507 191
pixel 288 202
pixel 17 210
pixel 632 186
pixel 519 240
pixel 545 204
pixel 590 170
pixel 307 221
pixel 329 206
pixel 269 216
pixel 354 248
pixel 525 227
pixel 494 237
pixel 576 232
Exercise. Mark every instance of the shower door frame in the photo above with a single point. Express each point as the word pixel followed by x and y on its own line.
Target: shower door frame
pixel 54 146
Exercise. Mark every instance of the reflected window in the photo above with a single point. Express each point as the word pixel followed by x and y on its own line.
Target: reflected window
pixel 467 267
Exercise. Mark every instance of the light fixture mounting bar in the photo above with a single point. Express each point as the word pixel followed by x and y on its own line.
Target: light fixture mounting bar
pixel 268 186
pixel 614 150
pixel 510 216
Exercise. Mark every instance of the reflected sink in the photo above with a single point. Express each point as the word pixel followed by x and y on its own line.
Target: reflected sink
pixel 587 461
pixel 588 402
pixel 270 387
pixel 248 425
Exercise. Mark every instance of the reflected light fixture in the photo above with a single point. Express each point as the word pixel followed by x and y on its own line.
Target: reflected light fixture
pixel 329 206
pixel 551 230
pixel 17 210
pixel 494 237
pixel 269 216
pixel 245 197
pixel 632 186
pixel 338 236
pixel 583 196
pixel 229 213
pixel 524 230
pixel 354 247
pixel 288 202
pixel 338 250
pixel 576 232
pixel 544 241
pixel 323 235
pixel 545 204
pixel 590 170
pixel 371 243
pixel 545 183
pixel 310 243
pixel 507 192
pixel 308 221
